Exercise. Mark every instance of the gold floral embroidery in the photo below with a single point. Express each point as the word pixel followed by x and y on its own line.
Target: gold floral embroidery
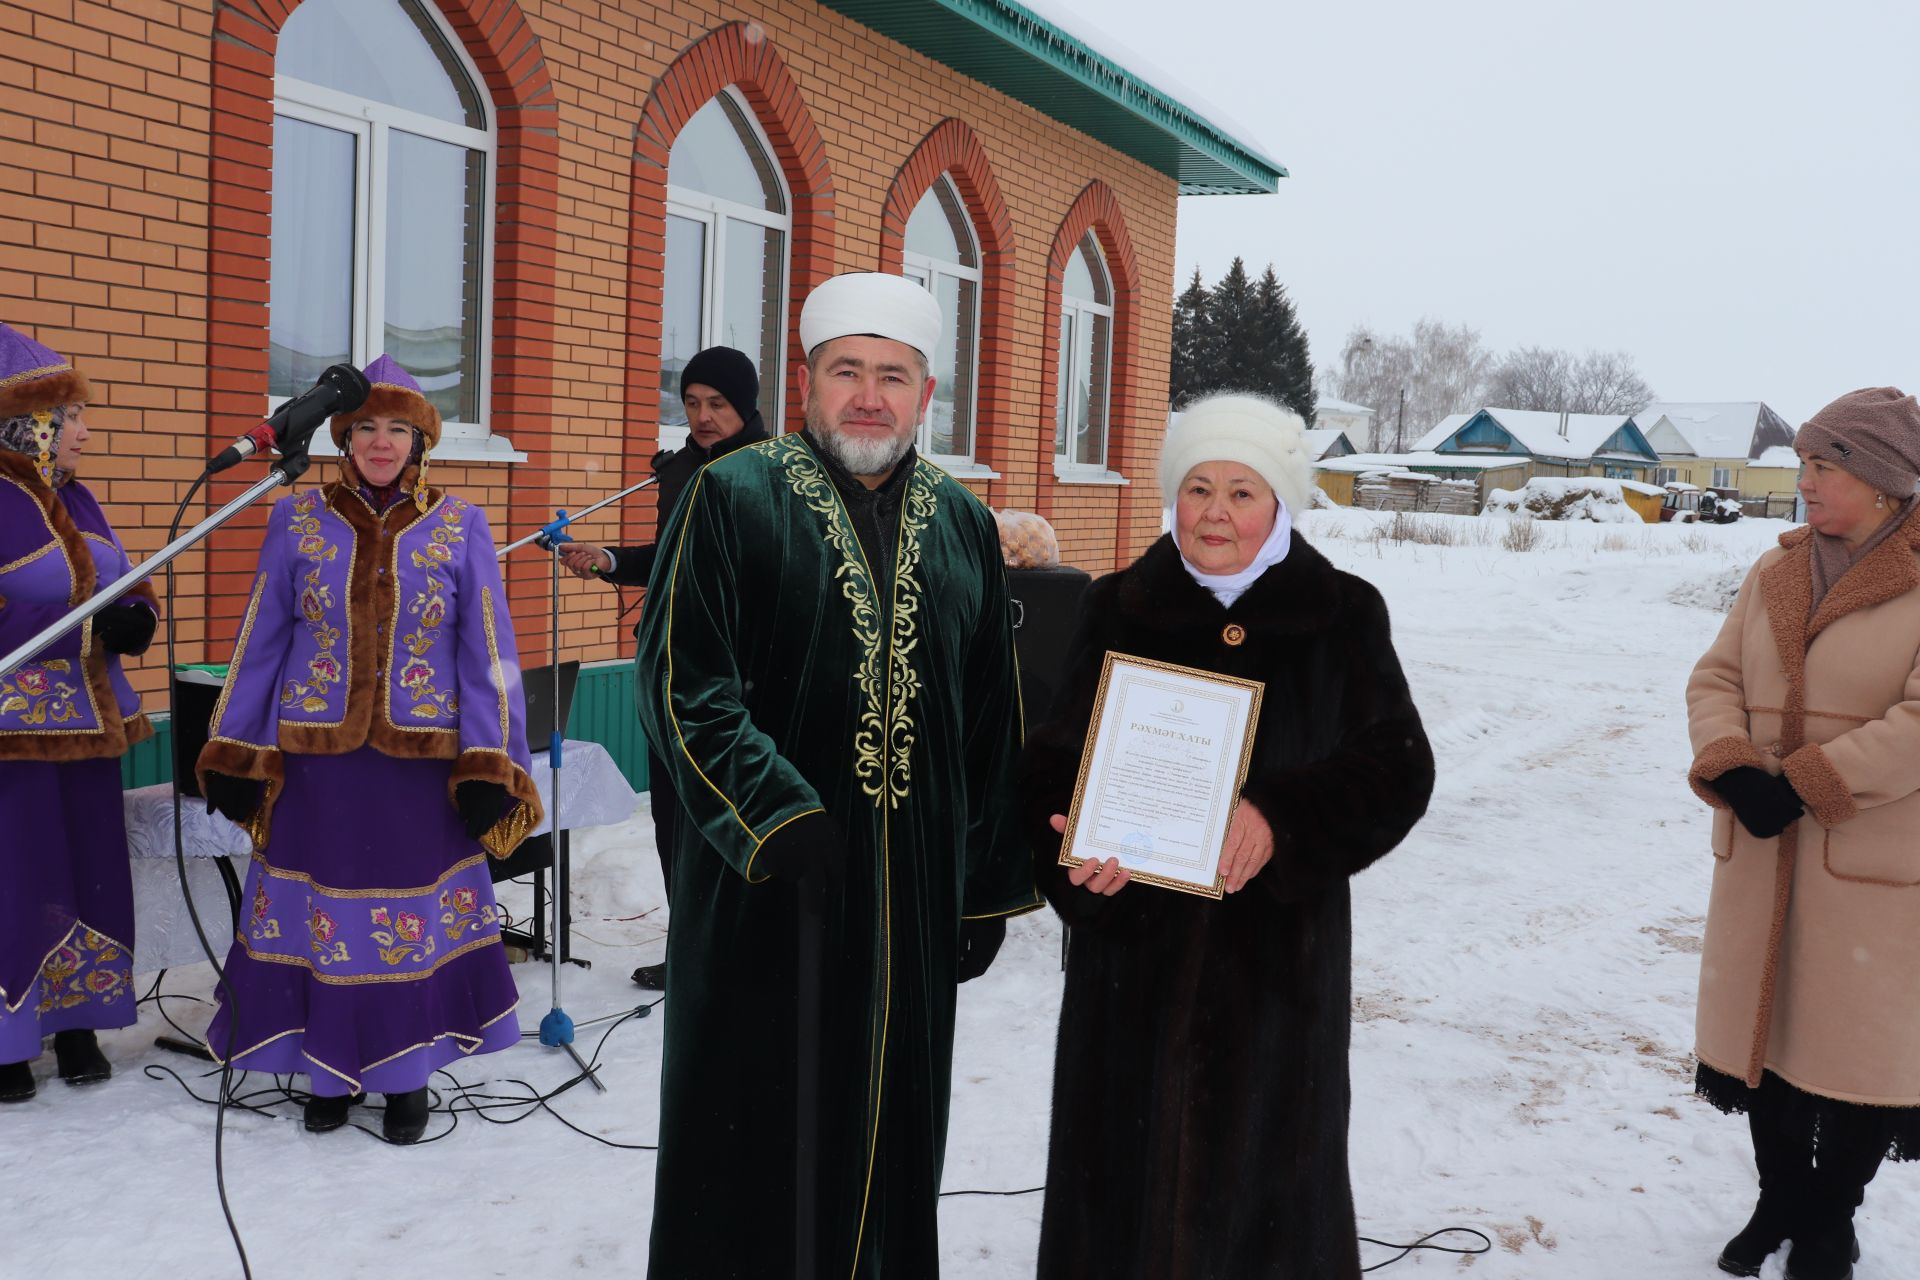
pixel 316 597
pixel 320 929
pixel 460 910
pixel 88 967
pixel 37 694
pixel 429 605
pixel 921 504
pixel 402 937
pixel 262 926
pixel 812 486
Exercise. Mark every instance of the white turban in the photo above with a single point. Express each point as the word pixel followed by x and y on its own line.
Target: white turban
pixel 868 302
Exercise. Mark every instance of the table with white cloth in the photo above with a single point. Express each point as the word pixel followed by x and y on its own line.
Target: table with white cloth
pixel 593 793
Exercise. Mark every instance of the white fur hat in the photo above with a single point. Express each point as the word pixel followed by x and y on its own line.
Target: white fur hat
pixel 871 302
pixel 1246 429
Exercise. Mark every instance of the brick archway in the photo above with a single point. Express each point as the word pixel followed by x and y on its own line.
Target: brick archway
pixel 953 149
pixel 1098 209
pixel 738 55
pixel 526 199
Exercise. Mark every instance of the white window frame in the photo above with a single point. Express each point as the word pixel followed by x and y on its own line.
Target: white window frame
pixel 923 271
pixel 713 212
pixel 371 122
pixel 1080 311
pixel 1722 478
pixel 1665 475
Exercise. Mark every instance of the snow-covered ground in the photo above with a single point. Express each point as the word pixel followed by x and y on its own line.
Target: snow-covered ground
pixel 1523 972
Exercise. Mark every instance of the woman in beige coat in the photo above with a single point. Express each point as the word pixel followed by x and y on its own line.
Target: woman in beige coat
pixel 1805 720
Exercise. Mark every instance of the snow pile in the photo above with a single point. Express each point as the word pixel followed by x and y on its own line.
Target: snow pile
pixel 1715 591
pixel 1563 498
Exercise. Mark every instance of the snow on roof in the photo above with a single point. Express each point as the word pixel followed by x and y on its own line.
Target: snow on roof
pixel 1362 462
pixel 1331 405
pixel 1446 427
pixel 1778 455
pixel 1538 431
pixel 1727 429
pixel 1321 439
pixel 1083 25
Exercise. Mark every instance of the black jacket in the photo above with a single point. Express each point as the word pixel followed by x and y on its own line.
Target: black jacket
pixel 632 566
pixel 1200 1091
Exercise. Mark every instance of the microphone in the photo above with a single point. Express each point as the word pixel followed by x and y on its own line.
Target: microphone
pixel 341 389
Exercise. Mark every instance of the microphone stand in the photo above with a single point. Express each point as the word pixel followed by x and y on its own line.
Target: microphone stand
pixel 556 1028
pixel 284 472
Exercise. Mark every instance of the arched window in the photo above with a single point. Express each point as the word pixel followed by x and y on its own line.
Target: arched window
pixel 728 220
pixel 1086 359
pixel 383 152
pixel 940 254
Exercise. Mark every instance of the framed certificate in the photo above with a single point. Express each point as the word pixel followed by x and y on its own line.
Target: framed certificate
pixel 1165 758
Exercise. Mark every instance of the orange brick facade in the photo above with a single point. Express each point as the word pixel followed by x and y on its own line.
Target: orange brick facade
pixel 136 209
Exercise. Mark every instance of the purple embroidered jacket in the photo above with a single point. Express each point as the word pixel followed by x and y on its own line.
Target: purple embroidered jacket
pixel 389 630
pixel 71 701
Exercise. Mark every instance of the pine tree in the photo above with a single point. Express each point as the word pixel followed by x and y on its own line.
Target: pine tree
pixel 1192 343
pixel 1233 329
pixel 1281 365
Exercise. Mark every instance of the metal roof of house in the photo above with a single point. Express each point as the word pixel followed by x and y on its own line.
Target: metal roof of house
pixel 1538 432
pixel 1330 405
pixel 1321 439
pixel 1028 58
pixel 1737 429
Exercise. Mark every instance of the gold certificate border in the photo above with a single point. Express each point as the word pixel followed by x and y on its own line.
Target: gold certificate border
pixel 1256 688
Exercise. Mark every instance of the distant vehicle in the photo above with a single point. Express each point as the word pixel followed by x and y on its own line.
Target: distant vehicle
pixel 1689 503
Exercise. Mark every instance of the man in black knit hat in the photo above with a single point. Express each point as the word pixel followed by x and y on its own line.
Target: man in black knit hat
pixel 721 392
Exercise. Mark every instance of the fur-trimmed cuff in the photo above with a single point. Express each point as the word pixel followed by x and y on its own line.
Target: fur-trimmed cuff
pixel 484 764
pixel 1716 758
pixel 263 764
pixel 1821 788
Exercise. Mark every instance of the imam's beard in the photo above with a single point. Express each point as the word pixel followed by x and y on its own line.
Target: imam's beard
pixel 860 456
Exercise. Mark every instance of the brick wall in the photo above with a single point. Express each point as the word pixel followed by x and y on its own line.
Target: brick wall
pixel 135 214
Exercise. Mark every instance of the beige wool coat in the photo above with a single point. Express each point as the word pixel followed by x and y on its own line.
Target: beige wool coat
pixel 1811 964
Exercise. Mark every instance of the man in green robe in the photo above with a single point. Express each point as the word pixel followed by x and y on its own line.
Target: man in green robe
pixel 826 664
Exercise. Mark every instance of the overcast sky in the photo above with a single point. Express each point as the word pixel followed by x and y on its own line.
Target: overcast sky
pixel 1728 192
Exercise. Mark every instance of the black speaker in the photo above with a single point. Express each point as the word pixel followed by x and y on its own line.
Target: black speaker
pixel 195 694
pixel 1046 611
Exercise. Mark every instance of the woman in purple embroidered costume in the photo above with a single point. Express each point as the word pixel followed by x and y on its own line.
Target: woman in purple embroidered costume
pixel 66 715
pixel 371 738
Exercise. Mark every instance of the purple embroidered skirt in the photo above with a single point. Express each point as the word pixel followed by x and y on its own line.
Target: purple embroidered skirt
pixel 66 903
pixel 368 951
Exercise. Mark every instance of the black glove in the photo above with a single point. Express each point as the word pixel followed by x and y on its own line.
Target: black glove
pixel 236 799
pixel 126 627
pixel 481 804
pixel 979 943
pixel 1765 803
pixel 810 852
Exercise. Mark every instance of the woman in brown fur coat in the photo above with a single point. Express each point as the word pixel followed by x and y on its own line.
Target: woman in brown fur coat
pixel 1200 1090
pixel 1805 721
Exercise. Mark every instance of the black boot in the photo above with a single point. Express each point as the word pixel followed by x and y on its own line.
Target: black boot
pixel 80 1059
pixel 1824 1252
pixel 16 1082
pixel 325 1114
pixel 1768 1229
pixel 1785 1164
pixel 1853 1141
pixel 406 1118
pixel 653 977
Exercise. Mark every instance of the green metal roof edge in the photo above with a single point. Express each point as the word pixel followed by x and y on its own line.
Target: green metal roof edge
pixel 1250 172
